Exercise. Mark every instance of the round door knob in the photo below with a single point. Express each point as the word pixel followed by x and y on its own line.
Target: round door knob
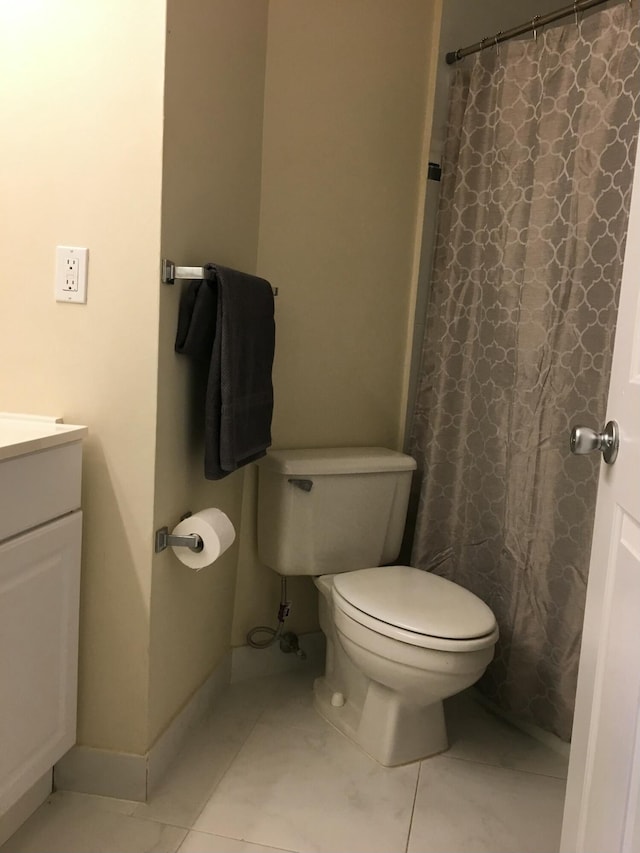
pixel 585 440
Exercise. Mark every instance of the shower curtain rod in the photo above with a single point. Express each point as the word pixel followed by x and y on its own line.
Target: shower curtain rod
pixel 531 26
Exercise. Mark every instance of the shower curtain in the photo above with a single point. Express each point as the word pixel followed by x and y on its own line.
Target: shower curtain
pixel 519 333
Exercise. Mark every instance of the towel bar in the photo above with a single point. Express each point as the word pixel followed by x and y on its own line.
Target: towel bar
pixel 170 272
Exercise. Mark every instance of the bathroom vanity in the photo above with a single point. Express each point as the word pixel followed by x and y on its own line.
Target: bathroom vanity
pixel 40 539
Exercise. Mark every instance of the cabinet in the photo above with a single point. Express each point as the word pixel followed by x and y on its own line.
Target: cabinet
pixel 40 540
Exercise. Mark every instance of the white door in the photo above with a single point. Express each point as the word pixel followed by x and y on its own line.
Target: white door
pixel 602 808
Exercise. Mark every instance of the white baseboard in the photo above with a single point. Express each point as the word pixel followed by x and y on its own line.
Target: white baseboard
pixel 127 776
pixel 19 812
pixel 122 775
pixel 247 662
pixel 168 745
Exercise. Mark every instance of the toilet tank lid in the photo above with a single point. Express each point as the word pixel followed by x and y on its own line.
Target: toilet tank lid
pixel 337 460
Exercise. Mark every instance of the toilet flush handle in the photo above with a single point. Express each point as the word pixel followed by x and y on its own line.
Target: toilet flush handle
pixel 305 485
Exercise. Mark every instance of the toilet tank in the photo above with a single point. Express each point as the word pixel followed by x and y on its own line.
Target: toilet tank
pixel 332 510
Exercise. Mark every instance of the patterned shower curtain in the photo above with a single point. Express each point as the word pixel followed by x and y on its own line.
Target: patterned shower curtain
pixel 519 334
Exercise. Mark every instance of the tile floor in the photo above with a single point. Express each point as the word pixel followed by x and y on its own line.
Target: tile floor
pixel 265 774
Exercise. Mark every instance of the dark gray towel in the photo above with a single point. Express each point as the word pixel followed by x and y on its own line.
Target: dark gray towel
pixel 228 320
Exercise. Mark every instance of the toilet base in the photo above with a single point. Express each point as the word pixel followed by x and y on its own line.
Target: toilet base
pixel 389 730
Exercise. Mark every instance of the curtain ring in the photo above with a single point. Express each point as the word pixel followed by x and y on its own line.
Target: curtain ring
pixel 534 26
pixel 497 42
pixel 575 11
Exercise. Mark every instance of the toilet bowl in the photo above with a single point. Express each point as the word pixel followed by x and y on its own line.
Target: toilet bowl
pixel 401 640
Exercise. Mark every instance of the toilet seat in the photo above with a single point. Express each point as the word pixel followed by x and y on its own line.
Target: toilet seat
pixel 415 607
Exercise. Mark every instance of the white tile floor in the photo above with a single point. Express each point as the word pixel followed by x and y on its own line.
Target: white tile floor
pixel 266 774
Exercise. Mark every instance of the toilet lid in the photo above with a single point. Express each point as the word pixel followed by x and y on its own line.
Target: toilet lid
pixel 416 601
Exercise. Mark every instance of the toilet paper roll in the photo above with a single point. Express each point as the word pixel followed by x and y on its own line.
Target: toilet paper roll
pixel 217 533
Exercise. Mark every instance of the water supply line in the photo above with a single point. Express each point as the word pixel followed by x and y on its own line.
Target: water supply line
pixel 288 640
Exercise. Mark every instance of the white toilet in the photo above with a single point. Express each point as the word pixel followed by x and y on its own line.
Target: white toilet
pixel 399 640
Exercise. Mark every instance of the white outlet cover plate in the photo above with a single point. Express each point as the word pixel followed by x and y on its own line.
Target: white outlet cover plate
pixel 79 258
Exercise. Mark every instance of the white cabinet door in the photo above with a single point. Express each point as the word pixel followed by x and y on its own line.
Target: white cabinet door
pixel 39 604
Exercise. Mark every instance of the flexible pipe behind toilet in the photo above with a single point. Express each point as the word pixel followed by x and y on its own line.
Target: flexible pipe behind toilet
pixel 272 633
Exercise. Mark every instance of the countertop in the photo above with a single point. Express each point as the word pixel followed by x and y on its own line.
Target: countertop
pixel 20 434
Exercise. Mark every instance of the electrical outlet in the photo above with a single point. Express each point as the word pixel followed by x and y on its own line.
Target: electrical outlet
pixel 70 283
pixel 71 274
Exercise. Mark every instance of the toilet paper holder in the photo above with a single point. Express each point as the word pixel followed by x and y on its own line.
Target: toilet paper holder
pixel 164 539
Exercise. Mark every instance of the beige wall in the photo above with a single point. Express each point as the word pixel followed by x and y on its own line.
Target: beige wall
pixel 348 87
pixel 80 164
pixel 325 203
pixel 210 212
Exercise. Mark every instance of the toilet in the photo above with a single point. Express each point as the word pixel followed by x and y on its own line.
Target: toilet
pixel 399 640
